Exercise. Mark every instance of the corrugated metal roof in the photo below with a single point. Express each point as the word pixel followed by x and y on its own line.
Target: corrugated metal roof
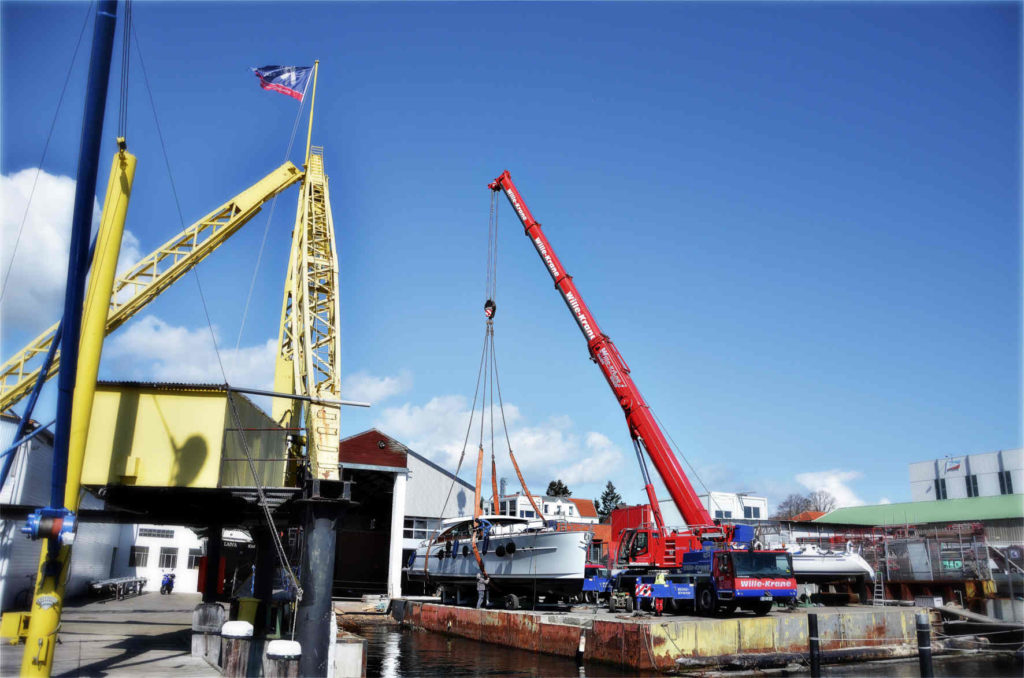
pixel 921 512
pixel 164 386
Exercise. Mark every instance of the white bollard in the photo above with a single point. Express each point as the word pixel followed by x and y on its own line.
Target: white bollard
pixel 282 660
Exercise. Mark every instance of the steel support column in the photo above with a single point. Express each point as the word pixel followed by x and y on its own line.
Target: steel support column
pixel 317 579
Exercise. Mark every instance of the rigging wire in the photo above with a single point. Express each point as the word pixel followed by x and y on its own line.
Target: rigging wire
pixel 271 525
pixel 679 452
pixel 122 113
pixel 266 230
pixel 49 135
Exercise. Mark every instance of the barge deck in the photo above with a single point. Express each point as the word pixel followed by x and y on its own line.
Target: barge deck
pixel 672 644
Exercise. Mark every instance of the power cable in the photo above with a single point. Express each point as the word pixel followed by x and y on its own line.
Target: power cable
pixel 46 146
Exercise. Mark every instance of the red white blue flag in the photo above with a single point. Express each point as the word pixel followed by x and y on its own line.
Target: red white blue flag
pixel 952 465
pixel 290 80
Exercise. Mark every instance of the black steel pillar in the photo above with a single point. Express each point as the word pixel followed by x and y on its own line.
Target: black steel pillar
pixel 313 626
pixel 813 644
pixel 924 644
pixel 211 582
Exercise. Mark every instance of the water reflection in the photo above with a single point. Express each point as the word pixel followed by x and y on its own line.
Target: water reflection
pixel 394 653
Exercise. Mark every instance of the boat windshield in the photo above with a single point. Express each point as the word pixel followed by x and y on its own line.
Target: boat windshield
pixel 753 564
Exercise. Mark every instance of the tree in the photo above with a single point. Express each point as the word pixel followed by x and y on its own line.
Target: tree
pixel 609 500
pixel 821 500
pixel 556 488
pixel 792 505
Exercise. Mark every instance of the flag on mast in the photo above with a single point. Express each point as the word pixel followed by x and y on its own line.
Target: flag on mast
pixel 290 80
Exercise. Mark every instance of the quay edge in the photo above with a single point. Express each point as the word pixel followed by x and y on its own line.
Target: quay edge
pixel 673 644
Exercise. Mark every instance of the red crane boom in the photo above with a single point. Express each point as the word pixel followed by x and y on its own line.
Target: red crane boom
pixel 643 428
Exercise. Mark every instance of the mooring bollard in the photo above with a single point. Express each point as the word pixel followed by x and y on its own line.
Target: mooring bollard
pixel 924 644
pixel 815 649
pixel 282 660
pixel 235 638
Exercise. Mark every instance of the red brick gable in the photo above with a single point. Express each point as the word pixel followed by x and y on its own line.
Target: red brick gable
pixel 585 507
pixel 372 448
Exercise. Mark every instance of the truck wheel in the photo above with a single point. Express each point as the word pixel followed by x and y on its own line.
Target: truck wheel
pixel 511 602
pixel 612 607
pixel 763 607
pixel 629 604
pixel 706 600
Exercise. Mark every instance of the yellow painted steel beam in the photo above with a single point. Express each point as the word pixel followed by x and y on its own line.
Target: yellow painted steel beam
pixel 309 345
pixel 48 598
pixel 151 276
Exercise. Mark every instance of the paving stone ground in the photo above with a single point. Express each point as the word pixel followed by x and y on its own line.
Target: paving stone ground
pixel 147 635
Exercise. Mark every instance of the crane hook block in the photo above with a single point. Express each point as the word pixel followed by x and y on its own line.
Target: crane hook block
pixel 490 308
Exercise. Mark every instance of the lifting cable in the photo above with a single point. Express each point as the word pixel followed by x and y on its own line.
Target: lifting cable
pixel 282 556
pixel 42 158
pixel 487 384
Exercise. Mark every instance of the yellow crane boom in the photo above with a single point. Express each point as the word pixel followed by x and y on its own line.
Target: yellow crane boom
pixel 151 276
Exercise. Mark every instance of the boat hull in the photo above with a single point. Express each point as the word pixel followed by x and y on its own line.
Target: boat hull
pixel 825 566
pixel 541 564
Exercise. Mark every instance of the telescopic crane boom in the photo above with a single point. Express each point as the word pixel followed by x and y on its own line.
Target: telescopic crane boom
pixel 643 428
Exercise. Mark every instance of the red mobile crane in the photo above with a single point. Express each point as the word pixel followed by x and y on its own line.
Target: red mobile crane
pixel 716 577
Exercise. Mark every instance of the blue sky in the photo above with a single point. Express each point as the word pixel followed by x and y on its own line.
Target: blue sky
pixel 799 222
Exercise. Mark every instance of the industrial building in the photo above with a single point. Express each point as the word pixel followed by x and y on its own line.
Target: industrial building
pixel 399 498
pixel 971 475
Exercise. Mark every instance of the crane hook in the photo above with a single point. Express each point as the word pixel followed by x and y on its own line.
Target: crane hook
pixel 490 308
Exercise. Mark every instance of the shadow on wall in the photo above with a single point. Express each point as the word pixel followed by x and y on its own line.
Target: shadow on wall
pixel 188 459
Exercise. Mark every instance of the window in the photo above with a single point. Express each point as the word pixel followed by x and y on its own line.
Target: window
pixel 138 556
pixel 193 558
pixel 420 528
pixel 972 485
pixel 527 514
pixel 940 488
pixel 723 514
pixel 752 512
pixel 168 557
pixel 1005 483
pixel 154 532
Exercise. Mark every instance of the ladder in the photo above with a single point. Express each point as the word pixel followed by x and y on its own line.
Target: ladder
pixel 879 595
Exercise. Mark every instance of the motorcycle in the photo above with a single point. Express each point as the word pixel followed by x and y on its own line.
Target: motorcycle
pixel 167 583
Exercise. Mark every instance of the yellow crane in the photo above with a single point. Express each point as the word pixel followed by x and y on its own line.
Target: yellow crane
pixel 308 357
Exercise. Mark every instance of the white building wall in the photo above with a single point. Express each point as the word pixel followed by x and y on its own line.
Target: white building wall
pixel 731 504
pixel 552 508
pixel 426 489
pixel 186 579
pixel 954 470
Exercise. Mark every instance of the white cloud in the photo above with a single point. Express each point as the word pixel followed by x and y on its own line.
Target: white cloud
pixel 39 269
pixel 885 500
pixel 547 450
pixel 835 482
pixel 151 349
pixel 367 387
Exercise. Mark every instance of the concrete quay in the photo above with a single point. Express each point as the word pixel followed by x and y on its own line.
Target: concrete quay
pixel 671 644
pixel 146 635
